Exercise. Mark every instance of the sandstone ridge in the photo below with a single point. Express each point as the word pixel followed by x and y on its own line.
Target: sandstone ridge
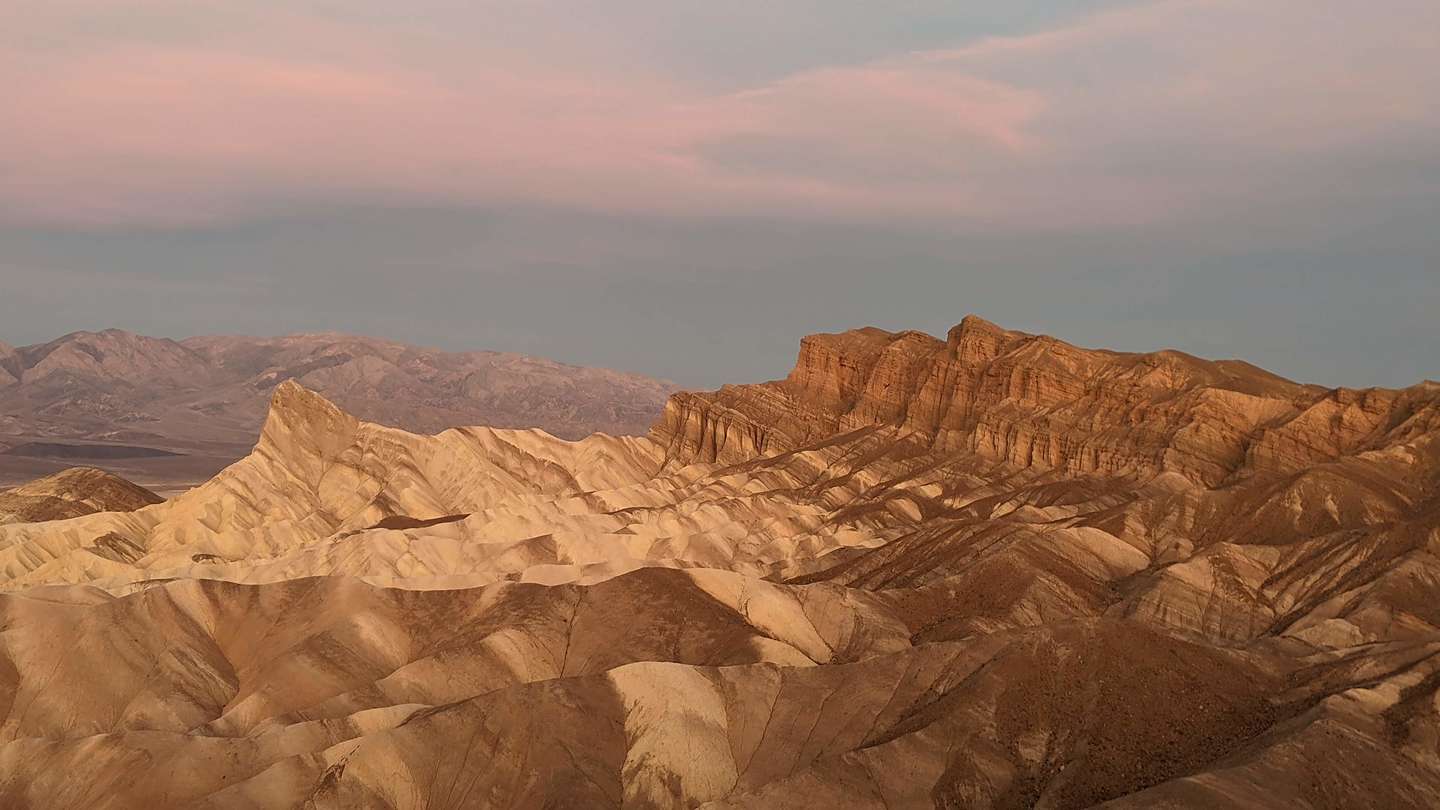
pixel 1034 401
pixel 993 571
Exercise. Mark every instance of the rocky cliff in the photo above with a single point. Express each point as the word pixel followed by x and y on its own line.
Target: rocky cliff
pixel 996 571
pixel 1037 402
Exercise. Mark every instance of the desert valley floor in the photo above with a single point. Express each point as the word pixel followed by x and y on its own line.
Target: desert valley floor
pixel 993 570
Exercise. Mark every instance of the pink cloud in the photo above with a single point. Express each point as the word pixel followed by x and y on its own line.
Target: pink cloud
pixel 1030 128
pixel 1283 74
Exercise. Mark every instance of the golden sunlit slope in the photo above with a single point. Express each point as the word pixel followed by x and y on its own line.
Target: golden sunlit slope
pixel 990 571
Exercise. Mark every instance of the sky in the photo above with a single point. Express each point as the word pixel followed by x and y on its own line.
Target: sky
pixel 686 188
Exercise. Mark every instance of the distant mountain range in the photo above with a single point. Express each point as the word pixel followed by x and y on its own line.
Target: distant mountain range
pixel 162 409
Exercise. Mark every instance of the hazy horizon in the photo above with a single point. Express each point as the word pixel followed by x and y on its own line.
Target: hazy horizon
pixel 938 334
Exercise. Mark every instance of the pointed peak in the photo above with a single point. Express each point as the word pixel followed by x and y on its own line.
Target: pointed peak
pixel 975 323
pixel 298 414
pixel 288 389
pixel 975 339
pixel 290 398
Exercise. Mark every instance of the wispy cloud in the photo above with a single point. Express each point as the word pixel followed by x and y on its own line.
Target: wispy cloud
pixel 1148 112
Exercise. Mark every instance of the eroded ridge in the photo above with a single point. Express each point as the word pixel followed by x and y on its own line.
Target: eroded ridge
pixel 991 571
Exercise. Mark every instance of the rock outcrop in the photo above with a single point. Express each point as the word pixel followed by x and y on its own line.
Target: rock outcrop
pixel 991 571
pixel 1036 402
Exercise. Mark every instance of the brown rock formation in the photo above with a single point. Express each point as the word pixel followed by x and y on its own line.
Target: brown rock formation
pixel 995 571
pixel 72 493
pixel 1036 402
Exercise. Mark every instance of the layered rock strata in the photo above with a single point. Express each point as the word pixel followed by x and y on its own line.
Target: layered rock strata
pixel 993 571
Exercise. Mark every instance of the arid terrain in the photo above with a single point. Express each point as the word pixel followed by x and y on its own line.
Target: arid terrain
pixel 990 570
pixel 72 493
pixel 173 413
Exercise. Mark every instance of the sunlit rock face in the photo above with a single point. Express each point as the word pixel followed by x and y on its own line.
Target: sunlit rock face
pixel 990 571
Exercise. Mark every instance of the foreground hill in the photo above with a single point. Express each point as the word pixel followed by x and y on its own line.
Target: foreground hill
pixel 182 410
pixel 994 570
pixel 72 493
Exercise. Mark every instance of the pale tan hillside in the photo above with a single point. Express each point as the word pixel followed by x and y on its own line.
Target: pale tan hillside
pixel 326 494
pixel 991 571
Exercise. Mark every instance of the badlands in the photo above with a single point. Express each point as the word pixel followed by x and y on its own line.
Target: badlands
pixel 170 413
pixel 994 570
